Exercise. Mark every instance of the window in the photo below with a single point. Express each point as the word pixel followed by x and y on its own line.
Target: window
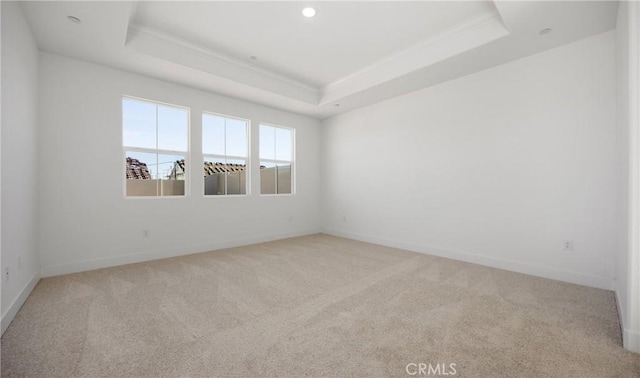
pixel 225 148
pixel 155 145
pixel 276 160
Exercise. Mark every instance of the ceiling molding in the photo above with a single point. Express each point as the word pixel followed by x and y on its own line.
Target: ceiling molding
pixel 476 31
pixel 110 35
pixel 177 50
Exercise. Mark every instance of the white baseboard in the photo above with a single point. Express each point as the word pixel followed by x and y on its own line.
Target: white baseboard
pixel 620 314
pixel 514 266
pixel 13 309
pixel 156 254
pixel 631 341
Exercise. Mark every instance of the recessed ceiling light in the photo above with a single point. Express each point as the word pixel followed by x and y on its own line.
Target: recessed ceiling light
pixel 252 57
pixel 74 19
pixel 336 105
pixel 308 12
pixel 545 31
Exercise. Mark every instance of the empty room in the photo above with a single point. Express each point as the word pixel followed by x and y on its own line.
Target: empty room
pixel 321 189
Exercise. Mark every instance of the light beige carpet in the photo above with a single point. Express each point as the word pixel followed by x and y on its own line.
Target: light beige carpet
pixel 313 306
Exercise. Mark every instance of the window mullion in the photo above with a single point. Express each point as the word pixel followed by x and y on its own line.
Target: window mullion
pixel 158 179
pixel 275 152
pixel 226 174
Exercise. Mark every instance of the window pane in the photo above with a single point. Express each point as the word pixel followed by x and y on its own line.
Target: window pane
pixel 283 144
pixel 214 176
pixel 236 137
pixel 213 134
pixel 276 143
pixel 142 160
pixel 284 178
pixel 139 124
pixel 167 167
pixel 172 128
pixel 171 170
pixel 267 178
pixel 236 176
pixel 151 126
pixel 224 137
pixel 140 174
pixel 267 142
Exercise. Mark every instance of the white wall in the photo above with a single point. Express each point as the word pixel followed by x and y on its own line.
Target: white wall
pixel 84 220
pixel 627 285
pixel 622 89
pixel 19 161
pixel 498 168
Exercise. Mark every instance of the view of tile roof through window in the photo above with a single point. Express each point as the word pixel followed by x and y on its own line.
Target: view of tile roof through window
pixel 137 170
pixel 217 167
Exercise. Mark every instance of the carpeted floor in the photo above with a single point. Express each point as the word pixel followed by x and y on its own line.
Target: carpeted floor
pixel 317 306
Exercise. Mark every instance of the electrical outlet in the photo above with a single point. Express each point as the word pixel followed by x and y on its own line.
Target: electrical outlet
pixel 568 245
pixel 146 233
pixel 6 274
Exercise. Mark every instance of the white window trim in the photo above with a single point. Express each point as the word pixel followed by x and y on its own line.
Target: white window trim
pixel 186 154
pixel 292 162
pixel 247 159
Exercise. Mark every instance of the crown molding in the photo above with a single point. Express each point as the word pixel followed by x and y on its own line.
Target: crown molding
pixel 177 50
pixel 473 32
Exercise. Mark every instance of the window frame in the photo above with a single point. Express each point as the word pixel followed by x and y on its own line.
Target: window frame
pixel 247 159
pixel 157 151
pixel 276 161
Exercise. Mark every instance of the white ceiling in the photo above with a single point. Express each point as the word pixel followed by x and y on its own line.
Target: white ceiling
pixel 351 53
pixel 288 43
